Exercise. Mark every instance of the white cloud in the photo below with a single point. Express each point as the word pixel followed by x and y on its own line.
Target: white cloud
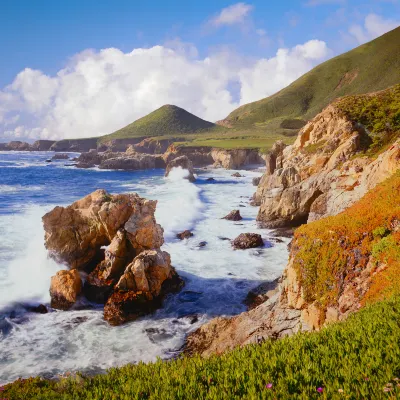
pixel 268 76
pixel 374 26
pixel 101 91
pixel 234 14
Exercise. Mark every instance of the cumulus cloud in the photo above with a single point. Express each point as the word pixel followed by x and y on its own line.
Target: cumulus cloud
pixel 268 76
pixel 100 91
pixel 234 14
pixel 374 26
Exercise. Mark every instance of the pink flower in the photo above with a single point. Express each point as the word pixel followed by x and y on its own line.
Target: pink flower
pixel 268 385
pixel 320 390
pixel 2 388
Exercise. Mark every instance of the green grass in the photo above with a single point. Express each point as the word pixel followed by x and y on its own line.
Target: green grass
pixel 356 359
pixel 370 67
pixel 165 121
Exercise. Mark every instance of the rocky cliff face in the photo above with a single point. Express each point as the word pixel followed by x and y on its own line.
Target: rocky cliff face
pixel 322 173
pixel 236 158
pixel 117 241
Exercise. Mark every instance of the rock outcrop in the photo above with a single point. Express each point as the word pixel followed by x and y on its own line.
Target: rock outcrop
pixel 184 163
pixel 199 156
pixel 322 173
pixel 60 156
pixel 64 289
pixel 236 158
pixel 248 241
pixel 234 215
pixel 184 235
pixel 116 240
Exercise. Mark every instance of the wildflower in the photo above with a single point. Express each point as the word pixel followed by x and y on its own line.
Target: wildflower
pixel 340 390
pixel 320 390
pixel 268 385
pixel 396 379
pixel 387 389
pixel 2 388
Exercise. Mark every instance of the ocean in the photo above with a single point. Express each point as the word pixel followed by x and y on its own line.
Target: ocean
pixel 217 278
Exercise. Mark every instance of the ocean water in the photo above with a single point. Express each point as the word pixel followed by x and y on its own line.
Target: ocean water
pixel 217 277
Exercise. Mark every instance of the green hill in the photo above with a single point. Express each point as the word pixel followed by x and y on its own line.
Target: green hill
pixel 165 121
pixel 367 68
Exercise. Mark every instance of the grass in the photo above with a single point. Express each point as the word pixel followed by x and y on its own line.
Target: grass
pixel 165 121
pixel 359 358
pixel 371 67
pixel 330 252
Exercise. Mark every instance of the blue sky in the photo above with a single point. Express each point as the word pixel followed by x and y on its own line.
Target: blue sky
pixel 236 42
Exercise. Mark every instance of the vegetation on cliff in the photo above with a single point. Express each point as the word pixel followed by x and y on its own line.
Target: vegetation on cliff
pixel 355 359
pixel 378 112
pixel 330 252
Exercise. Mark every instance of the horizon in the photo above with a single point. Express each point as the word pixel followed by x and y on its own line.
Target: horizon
pixel 208 58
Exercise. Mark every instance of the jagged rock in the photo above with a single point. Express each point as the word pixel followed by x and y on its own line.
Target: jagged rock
pixel 210 179
pixel 199 156
pixel 40 309
pixel 74 234
pixel 42 145
pixel 256 181
pixel 60 156
pixel 184 235
pixel 142 286
pixel 237 175
pixel 184 163
pixel 137 161
pixel 234 215
pixel 65 288
pixel 248 241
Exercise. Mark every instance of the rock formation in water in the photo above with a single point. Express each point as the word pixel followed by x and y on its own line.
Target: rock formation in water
pixel 234 215
pixel 116 240
pixel 184 163
pixel 247 241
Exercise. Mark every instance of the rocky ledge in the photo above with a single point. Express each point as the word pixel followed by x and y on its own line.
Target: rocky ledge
pixel 324 172
pixel 116 241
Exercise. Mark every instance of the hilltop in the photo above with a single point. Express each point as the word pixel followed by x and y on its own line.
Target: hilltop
pixel 166 120
pixel 371 67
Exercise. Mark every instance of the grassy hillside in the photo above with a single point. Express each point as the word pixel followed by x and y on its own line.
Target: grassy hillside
pixel 165 121
pixel 370 67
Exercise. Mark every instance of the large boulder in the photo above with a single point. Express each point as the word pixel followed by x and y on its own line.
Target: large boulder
pixel 142 287
pixel 116 240
pixel 64 289
pixel 236 158
pixel 184 163
pixel 75 234
pixel 248 241
pixel 234 215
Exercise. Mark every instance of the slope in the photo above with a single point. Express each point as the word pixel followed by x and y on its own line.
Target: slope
pixel 370 67
pixel 166 120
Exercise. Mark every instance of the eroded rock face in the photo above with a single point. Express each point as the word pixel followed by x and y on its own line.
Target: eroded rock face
pixel 64 289
pixel 141 287
pixel 199 156
pixel 234 159
pixel 247 241
pixel 318 175
pixel 117 240
pixel 184 163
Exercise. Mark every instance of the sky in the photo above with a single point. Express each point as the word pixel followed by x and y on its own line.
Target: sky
pixel 83 68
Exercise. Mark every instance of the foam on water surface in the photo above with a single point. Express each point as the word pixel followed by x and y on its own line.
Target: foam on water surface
pixel 217 277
